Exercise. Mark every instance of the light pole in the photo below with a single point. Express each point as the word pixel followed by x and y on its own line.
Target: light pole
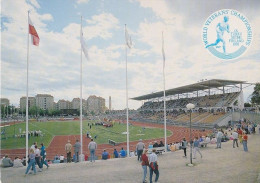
pixel 190 106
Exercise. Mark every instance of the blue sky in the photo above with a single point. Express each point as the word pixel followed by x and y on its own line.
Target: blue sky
pixel 54 65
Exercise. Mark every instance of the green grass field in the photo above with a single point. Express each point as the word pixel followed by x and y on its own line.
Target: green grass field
pixel 51 129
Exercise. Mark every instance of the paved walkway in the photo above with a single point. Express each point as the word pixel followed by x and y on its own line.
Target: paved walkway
pixel 226 165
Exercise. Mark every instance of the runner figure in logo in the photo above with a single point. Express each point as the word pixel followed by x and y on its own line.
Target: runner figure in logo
pixel 221 28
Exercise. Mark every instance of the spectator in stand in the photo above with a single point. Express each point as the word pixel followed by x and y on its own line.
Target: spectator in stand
pixel 105 155
pixel 153 164
pixel 245 138
pixel 61 159
pixel 240 132
pixel 38 157
pixel 145 164
pixel 17 162
pixel 184 146
pixel 196 148
pixel 68 148
pixel 77 146
pixel 235 138
pixel 219 138
pixel 161 144
pixel 7 162
pixel 43 155
pixel 31 162
pixel 139 149
pixel 122 153
pixel 115 153
pixel 92 146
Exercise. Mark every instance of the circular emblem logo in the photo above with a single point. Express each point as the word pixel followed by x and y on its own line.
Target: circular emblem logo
pixel 227 34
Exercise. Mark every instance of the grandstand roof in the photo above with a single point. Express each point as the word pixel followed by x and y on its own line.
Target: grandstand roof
pixel 203 85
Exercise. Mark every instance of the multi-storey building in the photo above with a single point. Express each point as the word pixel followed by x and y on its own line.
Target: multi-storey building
pixel 31 103
pixel 64 104
pixel 96 104
pixel 44 101
pixel 5 102
pixel 75 104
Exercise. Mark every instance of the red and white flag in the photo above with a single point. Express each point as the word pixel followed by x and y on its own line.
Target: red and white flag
pixel 35 38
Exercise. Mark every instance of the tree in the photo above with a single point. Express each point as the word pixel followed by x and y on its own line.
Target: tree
pixel 255 96
pixel 247 105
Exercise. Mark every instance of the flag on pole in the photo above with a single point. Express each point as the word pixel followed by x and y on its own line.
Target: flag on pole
pixel 128 39
pixel 32 31
pixel 163 54
pixel 84 45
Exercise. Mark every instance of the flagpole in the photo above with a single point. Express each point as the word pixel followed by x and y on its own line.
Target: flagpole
pixel 164 103
pixel 27 79
pixel 81 91
pixel 127 125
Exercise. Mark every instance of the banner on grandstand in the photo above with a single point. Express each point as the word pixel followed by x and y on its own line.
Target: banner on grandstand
pixel 227 34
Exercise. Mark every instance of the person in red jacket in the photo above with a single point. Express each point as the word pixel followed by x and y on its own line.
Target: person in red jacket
pixel 245 137
pixel 145 164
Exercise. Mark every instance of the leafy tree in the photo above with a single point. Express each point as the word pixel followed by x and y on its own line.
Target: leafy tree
pixel 247 105
pixel 33 110
pixel 255 97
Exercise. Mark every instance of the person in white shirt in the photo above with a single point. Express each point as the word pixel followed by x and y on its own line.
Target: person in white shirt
pixel 33 146
pixel 17 163
pixel 207 140
pixel 153 165
pixel 37 153
pixel 219 138
pixel 61 159
pixel 235 137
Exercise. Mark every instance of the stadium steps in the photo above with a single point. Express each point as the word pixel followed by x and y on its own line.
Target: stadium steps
pixel 204 117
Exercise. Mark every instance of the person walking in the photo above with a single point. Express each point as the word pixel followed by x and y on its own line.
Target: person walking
pixel 76 150
pixel 68 148
pixel 38 158
pixel 196 148
pixel 245 138
pixel 184 146
pixel 240 132
pixel 153 165
pixel 92 146
pixel 31 162
pixel 235 138
pixel 43 156
pixel 139 149
pixel 219 138
pixel 145 164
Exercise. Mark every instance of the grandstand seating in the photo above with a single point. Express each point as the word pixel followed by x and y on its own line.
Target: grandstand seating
pixel 207 108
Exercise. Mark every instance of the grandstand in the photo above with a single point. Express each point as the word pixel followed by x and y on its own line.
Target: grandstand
pixel 213 100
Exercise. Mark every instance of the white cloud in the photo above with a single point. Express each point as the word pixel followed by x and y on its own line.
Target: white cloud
pixel 101 26
pixel 35 3
pixel 82 1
